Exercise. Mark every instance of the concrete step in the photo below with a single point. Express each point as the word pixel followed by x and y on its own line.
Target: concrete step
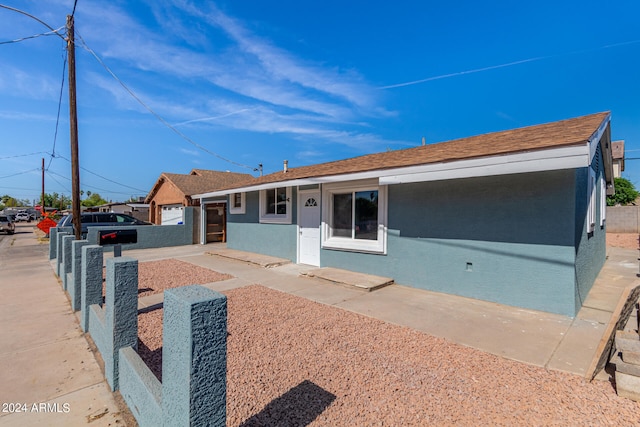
pixel 351 279
pixel 265 261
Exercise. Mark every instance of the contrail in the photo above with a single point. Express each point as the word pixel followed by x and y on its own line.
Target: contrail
pixel 509 64
pixel 208 119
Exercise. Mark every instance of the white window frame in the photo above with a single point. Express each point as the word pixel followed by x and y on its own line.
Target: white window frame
pixel 237 210
pixel 603 201
pixel 329 241
pixel 591 197
pixel 266 218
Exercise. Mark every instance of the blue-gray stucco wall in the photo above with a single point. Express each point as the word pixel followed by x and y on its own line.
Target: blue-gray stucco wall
pixel 513 239
pixel 245 233
pixel 590 247
pixel 508 239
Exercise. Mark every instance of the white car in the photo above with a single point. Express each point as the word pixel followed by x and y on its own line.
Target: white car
pixel 23 216
pixel 6 224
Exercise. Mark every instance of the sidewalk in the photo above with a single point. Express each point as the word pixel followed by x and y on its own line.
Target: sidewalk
pixel 48 372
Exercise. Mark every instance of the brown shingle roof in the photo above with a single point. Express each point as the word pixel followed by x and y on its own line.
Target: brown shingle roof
pixel 576 131
pixel 200 181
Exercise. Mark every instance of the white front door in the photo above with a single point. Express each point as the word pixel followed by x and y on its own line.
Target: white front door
pixel 309 242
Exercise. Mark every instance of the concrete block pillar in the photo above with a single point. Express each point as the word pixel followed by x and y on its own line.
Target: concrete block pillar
pixel 194 358
pixel 60 235
pixel 121 312
pixel 53 243
pixel 91 281
pixel 74 286
pixel 65 267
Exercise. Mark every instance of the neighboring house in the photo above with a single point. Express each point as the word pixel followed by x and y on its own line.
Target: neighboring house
pixel 515 217
pixel 172 192
pixel 617 152
pixel 138 210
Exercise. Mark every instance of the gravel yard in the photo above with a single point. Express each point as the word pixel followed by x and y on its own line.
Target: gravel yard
pixel 292 361
pixel 155 277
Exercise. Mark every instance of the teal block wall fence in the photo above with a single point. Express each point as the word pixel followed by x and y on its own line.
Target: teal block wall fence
pixel 91 281
pixel 193 390
pixel 115 325
pixel 58 249
pixel 194 347
pixel 74 279
pixel 53 243
pixel 158 236
pixel 65 266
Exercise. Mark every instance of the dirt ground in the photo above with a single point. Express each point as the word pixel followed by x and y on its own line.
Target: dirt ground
pixel 623 240
pixel 292 361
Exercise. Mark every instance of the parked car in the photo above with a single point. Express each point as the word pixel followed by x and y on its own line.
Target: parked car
pixel 101 219
pixel 23 216
pixel 7 225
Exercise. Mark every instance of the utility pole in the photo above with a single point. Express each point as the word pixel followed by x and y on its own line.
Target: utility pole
pixel 73 123
pixel 42 198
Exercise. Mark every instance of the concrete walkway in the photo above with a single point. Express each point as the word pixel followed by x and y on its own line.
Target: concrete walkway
pixel 538 338
pixel 48 375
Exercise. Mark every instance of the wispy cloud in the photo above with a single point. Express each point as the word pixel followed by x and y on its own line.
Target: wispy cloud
pixel 282 66
pixel 194 153
pixel 242 81
pixel 17 82
pixel 19 115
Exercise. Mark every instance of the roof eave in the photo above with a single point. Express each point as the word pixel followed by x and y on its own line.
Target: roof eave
pixel 567 157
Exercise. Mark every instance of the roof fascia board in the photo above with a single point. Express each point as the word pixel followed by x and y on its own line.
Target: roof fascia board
pixel 470 171
pixel 508 161
pixel 597 135
pixel 533 161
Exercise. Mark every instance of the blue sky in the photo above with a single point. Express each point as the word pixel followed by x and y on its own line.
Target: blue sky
pixel 247 82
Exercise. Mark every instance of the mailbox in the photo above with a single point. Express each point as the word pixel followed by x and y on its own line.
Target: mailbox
pixel 113 237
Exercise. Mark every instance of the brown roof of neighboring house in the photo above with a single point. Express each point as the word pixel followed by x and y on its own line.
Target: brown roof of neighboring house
pixel 199 181
pixel 576 131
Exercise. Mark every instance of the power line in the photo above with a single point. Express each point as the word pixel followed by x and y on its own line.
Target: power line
pixel 23 155
pixel 19 173
pixel 156 115
pixel 55 135
pixel 21 39
pixel 33 17
pixel 59 183
pixel 73 12
pixel 89 186
pixel 105 178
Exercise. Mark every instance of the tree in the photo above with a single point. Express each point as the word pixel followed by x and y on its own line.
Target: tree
pixel 10 202
pixel 626 193
pixel 57 201
pixel 94 199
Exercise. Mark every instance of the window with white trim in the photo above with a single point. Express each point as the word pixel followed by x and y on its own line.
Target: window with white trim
pixel 237 203
pixel 591 207
pixel 354 217
pixel 275 205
